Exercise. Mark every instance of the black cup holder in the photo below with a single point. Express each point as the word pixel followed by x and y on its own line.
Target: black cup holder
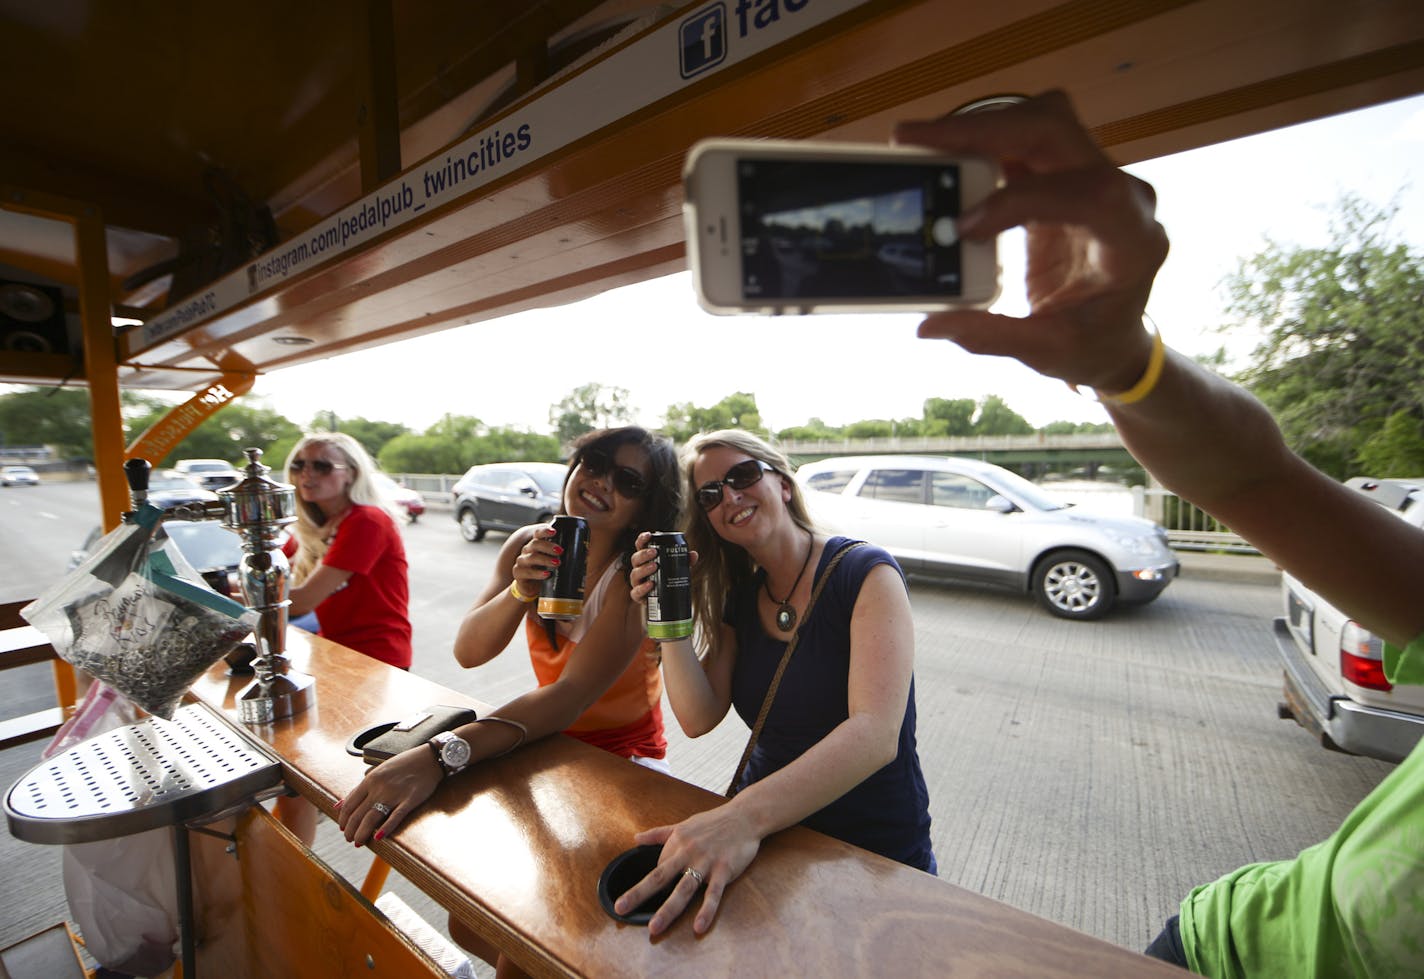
pixel 623 872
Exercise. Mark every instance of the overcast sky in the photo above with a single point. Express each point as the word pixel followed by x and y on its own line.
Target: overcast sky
pixel 1218 205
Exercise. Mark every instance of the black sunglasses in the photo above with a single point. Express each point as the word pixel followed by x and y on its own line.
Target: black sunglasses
pixel 627 481
pixel 321 467
pixel 739 477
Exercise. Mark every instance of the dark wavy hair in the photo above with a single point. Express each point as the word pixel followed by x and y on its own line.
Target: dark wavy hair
pixel 662 506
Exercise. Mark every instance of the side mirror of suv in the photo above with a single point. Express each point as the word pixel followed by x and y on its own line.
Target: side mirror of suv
pixel 999 504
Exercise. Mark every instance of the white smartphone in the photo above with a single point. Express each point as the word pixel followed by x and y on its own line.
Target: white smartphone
pixel 794 227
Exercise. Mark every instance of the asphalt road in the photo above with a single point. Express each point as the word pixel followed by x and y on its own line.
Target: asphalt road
pixel 1091 773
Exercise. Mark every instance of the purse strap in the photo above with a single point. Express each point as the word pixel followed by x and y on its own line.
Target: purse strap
pixel 785 659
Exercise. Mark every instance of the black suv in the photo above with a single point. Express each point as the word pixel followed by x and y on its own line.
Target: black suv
pixel 506 496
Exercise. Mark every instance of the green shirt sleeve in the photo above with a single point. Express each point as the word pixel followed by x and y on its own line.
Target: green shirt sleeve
pixel 1405 665
pixel 1349 906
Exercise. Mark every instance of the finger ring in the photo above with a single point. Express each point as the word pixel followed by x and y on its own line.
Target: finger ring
pixel 381 808
pixel 695 874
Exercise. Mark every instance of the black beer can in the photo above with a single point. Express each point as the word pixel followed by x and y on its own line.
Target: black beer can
pixel 562 595
pixel 670 601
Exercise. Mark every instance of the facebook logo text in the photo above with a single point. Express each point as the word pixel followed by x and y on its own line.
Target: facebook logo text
pixel 704 40
pixel 703 35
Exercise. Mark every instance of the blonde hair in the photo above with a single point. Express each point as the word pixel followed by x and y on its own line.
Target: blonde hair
pixel 722 566
pixel 308 530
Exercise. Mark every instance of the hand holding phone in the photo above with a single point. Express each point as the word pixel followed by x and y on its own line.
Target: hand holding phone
pixel 788 227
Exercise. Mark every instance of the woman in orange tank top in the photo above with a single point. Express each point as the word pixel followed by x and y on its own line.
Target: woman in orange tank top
pixel 598 674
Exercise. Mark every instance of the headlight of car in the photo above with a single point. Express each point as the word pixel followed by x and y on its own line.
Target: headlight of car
pixel 1149 545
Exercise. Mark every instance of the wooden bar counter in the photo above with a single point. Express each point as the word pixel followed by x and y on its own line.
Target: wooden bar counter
pixel 515 847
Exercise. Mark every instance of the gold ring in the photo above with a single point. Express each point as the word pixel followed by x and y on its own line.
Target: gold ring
pixel 695 874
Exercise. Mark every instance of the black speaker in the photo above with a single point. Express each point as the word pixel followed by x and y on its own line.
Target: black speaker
pixel 32 319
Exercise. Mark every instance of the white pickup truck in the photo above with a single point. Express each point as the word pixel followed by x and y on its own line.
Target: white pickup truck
pixel 1334 678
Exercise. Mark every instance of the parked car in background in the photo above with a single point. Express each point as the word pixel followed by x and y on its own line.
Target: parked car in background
pixel 211 474
pixel 963 519
pixel 19 476
pixel 1334 677
pixel 507 496
pixel 170 488
pixel 407 499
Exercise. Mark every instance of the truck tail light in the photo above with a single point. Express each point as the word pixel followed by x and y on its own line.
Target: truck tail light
pixel 1361 658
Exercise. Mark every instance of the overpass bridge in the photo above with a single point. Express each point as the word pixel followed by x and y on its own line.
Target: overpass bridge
pixel 1029 454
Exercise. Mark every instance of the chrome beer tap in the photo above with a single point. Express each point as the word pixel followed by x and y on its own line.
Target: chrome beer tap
pixel 257 508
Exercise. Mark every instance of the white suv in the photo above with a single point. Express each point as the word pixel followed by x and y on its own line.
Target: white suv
pixel 957 518
pixel 208 474
pixel 1334 679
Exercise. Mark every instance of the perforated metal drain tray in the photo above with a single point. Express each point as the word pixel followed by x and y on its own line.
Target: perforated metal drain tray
pixel 143 776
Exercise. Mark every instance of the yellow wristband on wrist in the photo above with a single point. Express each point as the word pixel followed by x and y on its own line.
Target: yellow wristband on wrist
pixel 519 596
pixel 1146 382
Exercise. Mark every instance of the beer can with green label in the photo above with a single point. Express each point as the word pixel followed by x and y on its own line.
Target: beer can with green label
pixel 670 601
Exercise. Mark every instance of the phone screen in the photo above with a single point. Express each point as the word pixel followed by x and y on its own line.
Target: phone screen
pixel 835 228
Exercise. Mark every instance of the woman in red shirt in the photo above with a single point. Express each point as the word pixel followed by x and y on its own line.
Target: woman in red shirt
pixel 348 560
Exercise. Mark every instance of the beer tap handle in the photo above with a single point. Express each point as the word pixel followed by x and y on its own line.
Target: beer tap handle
pixel 136 471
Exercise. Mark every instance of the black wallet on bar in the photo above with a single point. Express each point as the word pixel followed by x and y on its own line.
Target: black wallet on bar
pixel 381 741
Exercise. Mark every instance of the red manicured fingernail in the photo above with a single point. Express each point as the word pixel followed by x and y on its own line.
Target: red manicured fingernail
pixel 380 834
pixel 339 802
pixel 558 549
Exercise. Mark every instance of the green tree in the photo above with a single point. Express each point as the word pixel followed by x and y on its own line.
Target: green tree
pixel 1076 428
pixel 457 442
pixel 1344 339
pixel 588 407
pixel 373 435
pixel 57 417
pixel 235 427
pixel 870 428
pixel 739 410
pixel 997 418
pixel 949 416
pixel 411 453
pixel 441 448
pixel 275 455
pixel 514 445
pixel 813 430
pixel 1397 449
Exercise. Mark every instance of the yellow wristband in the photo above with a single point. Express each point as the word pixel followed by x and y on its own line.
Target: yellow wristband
pixel 1149 378
pixel 519 595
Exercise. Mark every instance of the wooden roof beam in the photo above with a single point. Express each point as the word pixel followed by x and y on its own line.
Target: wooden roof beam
pixel 377 116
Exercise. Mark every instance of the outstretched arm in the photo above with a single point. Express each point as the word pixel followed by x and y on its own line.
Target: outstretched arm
pixel 522 565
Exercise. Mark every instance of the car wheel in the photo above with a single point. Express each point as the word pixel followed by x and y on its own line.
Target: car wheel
pixel 1074 585
pixel 470 528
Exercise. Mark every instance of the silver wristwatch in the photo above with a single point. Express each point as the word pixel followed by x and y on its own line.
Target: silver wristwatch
pixel 451 751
